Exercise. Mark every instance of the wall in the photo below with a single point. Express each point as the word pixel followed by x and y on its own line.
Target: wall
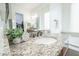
pixel 66 8
pixel 55 14
pixel 75 18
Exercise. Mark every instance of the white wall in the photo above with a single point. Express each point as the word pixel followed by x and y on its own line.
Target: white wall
pixel 75 17
pixel 55 13
pixel 70 16
pixel 66 8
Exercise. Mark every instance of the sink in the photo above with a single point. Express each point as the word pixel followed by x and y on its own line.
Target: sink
pixel 45 40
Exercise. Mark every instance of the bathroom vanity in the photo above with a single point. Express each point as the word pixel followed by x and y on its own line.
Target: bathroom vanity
pixel 39 46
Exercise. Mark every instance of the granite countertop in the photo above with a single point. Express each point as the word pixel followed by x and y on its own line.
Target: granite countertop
pixel 29 48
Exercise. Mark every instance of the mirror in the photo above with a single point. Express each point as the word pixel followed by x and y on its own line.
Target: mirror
pixel 19 21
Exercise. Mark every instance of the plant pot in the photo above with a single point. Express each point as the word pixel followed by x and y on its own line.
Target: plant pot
pixel 17 40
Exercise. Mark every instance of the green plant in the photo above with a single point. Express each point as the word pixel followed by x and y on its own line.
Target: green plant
pixel 14 33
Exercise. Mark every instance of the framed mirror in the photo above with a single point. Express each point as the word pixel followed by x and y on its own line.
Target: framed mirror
pixel 19 21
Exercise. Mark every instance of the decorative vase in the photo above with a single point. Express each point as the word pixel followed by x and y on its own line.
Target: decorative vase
pixel 25 37
pixel 17 40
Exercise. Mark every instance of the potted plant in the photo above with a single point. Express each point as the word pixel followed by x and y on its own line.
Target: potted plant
pixel 14 35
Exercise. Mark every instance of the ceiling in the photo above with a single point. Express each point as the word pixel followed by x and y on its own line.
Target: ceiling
pixel 27 6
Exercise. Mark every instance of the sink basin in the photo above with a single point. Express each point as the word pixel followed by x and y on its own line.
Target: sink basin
pixel 45 41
